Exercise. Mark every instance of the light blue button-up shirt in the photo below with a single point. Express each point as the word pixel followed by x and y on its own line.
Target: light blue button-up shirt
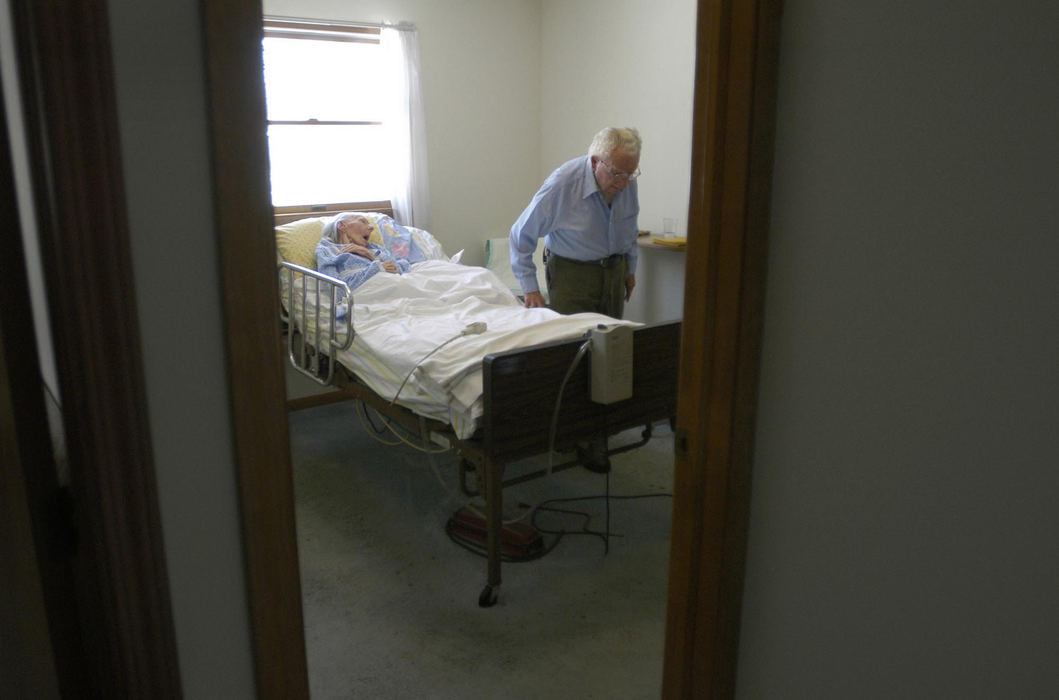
pixel 576 222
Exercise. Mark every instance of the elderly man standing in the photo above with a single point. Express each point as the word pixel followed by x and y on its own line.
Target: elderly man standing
pixel 586 210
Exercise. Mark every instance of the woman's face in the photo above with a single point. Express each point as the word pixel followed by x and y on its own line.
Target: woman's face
pixel 355 229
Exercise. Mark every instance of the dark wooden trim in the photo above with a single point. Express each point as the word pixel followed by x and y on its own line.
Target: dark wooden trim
pixel 285 215
pixel 728 215
pixel 314 400
pixel 71 120
pixel 243 214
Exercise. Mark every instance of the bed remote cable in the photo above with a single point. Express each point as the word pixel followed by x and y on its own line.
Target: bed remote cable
pixel 476 328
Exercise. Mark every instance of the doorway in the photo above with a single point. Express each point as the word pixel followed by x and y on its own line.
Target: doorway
pixel 728 220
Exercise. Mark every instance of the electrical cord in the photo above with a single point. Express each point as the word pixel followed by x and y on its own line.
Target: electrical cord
pixel 552 427
pixel 376 433
pixel 370 428
pixel 430 455
pixel 545 507
pixel 585 530
pixel 476 328
pixel 585 347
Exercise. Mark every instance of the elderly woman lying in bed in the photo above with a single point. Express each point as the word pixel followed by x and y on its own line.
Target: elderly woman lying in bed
pixel 347 252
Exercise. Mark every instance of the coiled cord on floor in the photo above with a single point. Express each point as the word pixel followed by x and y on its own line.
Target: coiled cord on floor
pixel 545 507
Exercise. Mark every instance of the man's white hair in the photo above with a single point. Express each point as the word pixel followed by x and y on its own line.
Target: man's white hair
pixel 613 138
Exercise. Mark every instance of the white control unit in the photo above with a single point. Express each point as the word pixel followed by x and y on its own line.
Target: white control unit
pixel 611 364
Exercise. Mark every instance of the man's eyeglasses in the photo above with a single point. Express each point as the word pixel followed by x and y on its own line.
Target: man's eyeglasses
pixel 619 174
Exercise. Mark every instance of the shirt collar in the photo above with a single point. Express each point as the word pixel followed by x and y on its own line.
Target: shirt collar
pixel 589 185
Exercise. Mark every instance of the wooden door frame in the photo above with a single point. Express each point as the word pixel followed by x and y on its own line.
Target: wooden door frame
pixel 233 31
pixel 732 149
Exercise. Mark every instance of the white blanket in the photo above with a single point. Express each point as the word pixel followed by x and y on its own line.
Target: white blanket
pixel 402 322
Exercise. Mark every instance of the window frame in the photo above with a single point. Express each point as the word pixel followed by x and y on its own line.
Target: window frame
pixel 286 214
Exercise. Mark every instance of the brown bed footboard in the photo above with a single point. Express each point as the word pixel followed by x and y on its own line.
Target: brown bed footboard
pixel 521 388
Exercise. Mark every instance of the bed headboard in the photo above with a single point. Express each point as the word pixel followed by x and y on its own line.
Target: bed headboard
pixel 284 215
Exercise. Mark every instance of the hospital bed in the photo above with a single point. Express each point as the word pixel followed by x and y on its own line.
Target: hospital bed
pixel 450 355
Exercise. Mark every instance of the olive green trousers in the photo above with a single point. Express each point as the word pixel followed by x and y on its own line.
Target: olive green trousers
pixel 575 287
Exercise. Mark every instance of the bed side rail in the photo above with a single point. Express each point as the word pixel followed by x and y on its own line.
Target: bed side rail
pixel 311 310
pixel 521 388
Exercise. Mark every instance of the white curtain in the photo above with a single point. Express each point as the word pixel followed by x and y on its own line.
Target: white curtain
pixel 406 127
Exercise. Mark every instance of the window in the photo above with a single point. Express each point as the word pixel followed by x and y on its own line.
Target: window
pixel 329 93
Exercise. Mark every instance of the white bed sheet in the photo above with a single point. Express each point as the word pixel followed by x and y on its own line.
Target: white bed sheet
pixel 401 319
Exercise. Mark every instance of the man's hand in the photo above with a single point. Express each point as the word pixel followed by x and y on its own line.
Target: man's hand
pixel 534 300
pixel 630 282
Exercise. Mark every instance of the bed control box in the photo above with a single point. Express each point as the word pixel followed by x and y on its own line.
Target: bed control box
pixel 610 361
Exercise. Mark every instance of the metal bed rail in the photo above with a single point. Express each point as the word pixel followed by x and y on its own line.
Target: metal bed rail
pixel 314 356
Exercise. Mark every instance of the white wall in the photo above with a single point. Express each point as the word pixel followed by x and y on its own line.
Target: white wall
pixel 627 63
pixel 622 63
pixel 480 62
pixel 903 518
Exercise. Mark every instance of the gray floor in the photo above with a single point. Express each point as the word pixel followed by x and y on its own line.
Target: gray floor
pixel 390 602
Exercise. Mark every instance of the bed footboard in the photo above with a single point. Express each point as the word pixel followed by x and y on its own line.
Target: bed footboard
pixel 522 386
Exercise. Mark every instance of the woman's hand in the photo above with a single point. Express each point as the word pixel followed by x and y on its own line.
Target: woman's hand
pixel 389 266
pixel 358 250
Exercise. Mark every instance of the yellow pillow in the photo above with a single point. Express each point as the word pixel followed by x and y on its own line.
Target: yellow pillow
pixel 296 241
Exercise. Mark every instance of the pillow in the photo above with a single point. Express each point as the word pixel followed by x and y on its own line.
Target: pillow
pixel 423 239
pixel 296 241
pixel 427 243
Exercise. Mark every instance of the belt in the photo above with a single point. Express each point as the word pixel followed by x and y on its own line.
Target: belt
pixel 609 261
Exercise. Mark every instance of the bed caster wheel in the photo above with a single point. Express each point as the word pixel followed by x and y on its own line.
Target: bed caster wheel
pixel 488 597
